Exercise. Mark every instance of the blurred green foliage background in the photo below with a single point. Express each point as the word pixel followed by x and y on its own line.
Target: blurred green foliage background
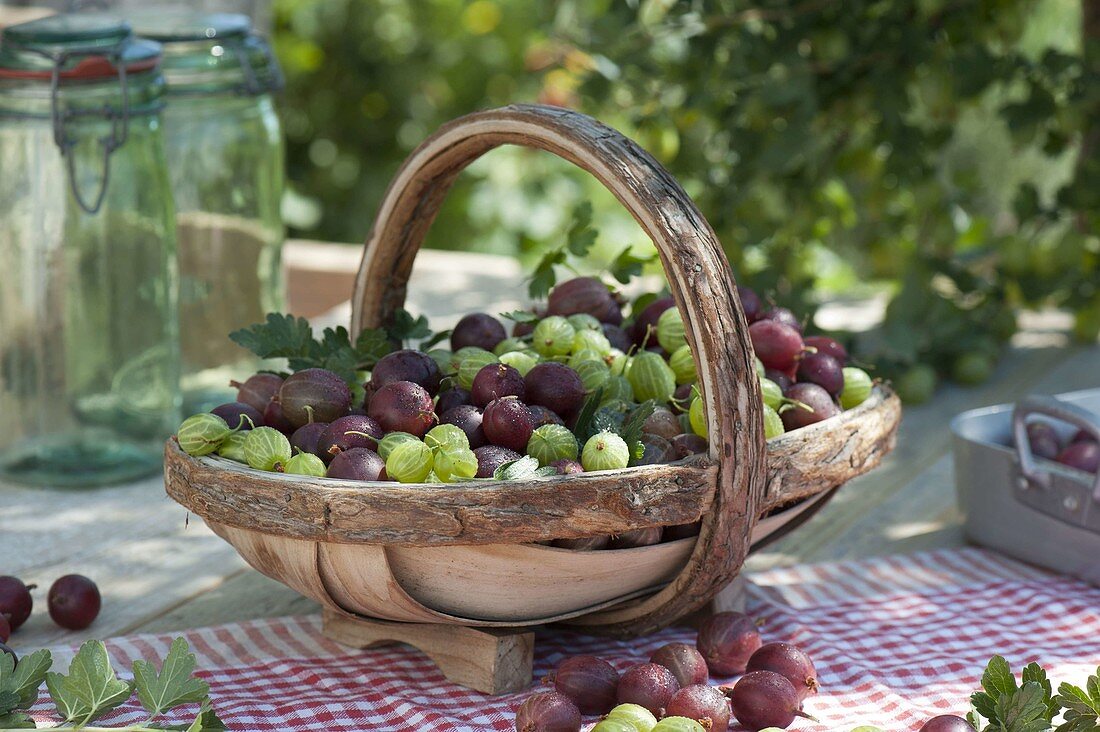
pixel 941 151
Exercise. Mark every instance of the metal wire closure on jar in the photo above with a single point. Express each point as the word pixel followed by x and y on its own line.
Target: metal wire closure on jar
pixel 120 120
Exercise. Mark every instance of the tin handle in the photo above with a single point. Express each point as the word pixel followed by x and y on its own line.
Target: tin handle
pixel 1057 409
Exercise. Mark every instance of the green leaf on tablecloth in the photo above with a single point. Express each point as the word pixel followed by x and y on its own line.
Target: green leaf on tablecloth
pixel 206 721
pixel 1035 673
pixel 1025 710
pixel 91 688
pixel 1009 707
pixel 173 685
pixel 16 720
pixel 19 682
pixel 1082 706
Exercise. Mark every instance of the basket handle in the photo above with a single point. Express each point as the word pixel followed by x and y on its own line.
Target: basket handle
pixel 698 275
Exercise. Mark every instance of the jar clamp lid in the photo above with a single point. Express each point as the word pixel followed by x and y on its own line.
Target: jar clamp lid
pixel 210 53
pixel 82 49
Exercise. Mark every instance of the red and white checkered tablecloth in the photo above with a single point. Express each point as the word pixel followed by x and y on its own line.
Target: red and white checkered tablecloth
pixel 895 640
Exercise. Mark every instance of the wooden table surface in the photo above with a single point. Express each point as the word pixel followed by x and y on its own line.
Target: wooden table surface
pixel 161 570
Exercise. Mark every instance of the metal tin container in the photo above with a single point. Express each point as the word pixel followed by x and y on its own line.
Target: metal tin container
pixel 1032 509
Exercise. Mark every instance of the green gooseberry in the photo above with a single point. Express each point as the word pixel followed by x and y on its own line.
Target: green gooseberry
pixel 670 330
pixel 594 374
pixel 698 418
pixel 617 389
pixel 651 378
pixel 392 440
pixel 605 451
pixel 640 718
pixel 771 392
pixel 678 724
pixel 410 462
pixel 857 387
pixel 305 463
pixel 469 367
pixel 202 434
pixel 521 361
pixel 584 321
pixel 454 464
pixel 585 354
pixel 233 447
pixel 614 725
pixel 446 437
pixel 682 364
pixel 266 448
pixel 618 361
pixel 553 336
pixel 773 423
pixel 509 345
pixel 593 340
pixel 552 442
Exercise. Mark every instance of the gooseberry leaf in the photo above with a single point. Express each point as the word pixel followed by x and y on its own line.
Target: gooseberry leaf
pixel 635 420
pixel 1011 707
pixel 436 338
pixel 173 685
pixel 1082 706
pixel 628 265
pixel 371 345
pixel 520 316
pixel 585 425
pixel 279 336
pixel 581 235
pixel 91 688
pixel 206 721
pixel 405 327
pixel 17 720
pixel 525 467
pixel 544 278
pixel 19 682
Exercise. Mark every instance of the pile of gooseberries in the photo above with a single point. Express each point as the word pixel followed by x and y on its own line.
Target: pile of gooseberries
pixel 73 602
pixel 558 393
pixel 1080 451
pixel 672 693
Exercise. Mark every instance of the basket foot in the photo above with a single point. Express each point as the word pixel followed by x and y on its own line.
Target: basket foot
pixel 490 660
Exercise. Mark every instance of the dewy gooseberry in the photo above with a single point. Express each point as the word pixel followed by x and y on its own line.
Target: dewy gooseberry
pixel 552 442
pixel 409 462
pixel 638 717
pixel 266 448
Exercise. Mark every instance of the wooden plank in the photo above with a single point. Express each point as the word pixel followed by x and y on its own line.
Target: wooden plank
pixel 244 595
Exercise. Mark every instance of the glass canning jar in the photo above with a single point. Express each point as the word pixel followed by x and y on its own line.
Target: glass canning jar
pixel 225 159
pixel 89 362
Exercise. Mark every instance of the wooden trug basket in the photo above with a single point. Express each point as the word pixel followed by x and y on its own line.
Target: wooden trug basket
pixel 455 569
